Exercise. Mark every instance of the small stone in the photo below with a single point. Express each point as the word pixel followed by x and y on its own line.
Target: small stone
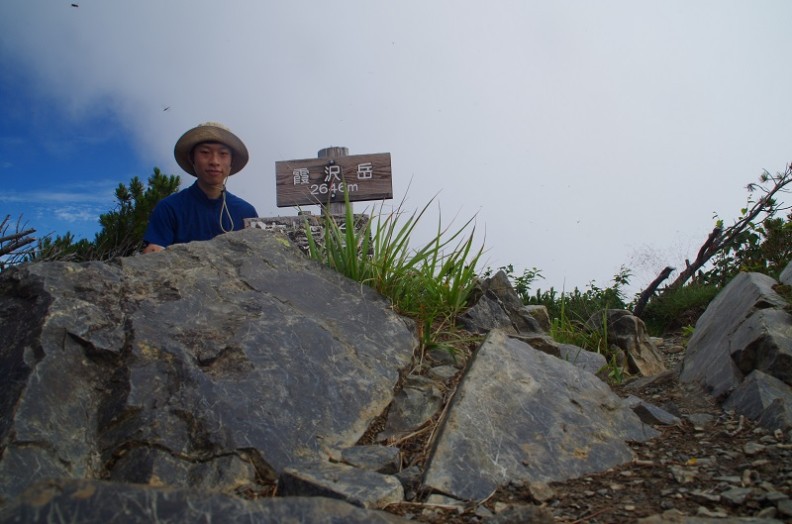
pixel 540 491
pixel 705 496
pixel 767 513
pixel 749 477
pixel 700 420
pixel 431 514
pixel 718 513
pixel 775 496
pixel 785 507
pixel 410 477
pixel 705 462
pixel 736 496
pixel 683 475
pixel 444 372
pixel 753 448
pixel 666 504
pixel 730 479
pixel 445 502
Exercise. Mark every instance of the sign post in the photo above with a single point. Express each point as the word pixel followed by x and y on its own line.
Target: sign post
pixel 333 177
pixel 334 208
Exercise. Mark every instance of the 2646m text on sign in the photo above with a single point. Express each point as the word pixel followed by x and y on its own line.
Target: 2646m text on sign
pixel 320 181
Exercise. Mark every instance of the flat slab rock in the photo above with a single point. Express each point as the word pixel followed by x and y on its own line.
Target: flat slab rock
pixel 100 502
pixel 366 489
pixel 522 415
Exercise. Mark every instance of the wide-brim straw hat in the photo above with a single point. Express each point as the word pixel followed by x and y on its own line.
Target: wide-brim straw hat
pixel 210 132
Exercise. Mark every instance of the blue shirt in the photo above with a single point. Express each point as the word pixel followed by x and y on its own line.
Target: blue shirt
pixel 191 215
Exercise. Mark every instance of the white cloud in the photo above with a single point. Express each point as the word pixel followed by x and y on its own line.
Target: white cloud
pixel 90 194
pixel 73 214
pixel 573 130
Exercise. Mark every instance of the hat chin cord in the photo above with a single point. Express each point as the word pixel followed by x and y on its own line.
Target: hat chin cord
pixel 224 209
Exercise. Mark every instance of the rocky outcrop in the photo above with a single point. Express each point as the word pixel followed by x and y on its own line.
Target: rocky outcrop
pixel 522 415
pixel 499 307
pixel 212 365
pixel 237 367
pixel 741 350
pixel 628 334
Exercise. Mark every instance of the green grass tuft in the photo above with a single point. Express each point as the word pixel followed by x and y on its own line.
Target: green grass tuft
pixel 431 283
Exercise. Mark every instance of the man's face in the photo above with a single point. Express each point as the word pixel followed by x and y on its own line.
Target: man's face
pixel 212 162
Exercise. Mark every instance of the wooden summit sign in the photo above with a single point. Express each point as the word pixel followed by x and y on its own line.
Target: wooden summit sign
pixel 321 181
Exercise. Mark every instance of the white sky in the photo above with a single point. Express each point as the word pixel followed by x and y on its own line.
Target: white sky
pixel 583 135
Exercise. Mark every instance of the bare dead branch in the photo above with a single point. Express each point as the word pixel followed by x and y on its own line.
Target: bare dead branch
pixel 15 245
pixel 15 236
pixel 650 291
pixel 720 239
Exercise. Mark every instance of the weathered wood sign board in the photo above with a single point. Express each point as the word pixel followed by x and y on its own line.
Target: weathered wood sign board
pixel 319 181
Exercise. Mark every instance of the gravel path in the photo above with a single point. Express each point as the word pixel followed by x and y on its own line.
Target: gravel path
pixel 710 466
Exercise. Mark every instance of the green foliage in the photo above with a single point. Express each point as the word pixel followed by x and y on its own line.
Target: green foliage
pixel 122 228
pixel 764 248
pixel 679 307
pixel 615 370
pixel 687 333
pixel 586 332
pixel 760 240
pixel 430 284
pixel 63 247
pixel 578 317
pixel 521 283
pixel 577 304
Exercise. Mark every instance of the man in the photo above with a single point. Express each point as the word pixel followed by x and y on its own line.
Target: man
pixel 211 153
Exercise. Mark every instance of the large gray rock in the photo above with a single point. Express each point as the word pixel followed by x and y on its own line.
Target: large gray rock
pixel 210 364
pixel 786 275
pixel 764 342
pixel 523 415
pixel 628 333
pixel 99 502
pixel 722 332
pixel 499 307
pixel 742 351
pixel 764 398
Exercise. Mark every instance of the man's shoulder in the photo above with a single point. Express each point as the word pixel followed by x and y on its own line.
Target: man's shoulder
pixel 176 198
pixel 238 201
